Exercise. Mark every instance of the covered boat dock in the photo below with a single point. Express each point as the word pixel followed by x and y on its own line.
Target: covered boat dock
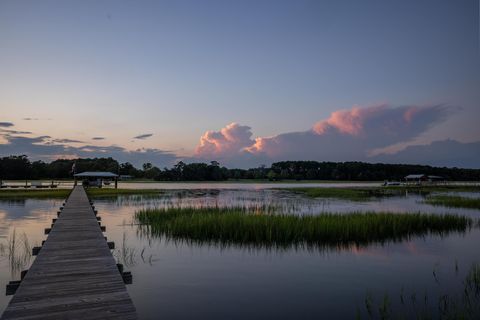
pixel 97 178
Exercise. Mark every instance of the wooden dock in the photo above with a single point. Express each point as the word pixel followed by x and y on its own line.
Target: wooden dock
pixel 74 275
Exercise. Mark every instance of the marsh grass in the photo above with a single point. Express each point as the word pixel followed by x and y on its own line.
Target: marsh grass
pixel 439 188
pixel 17 250
pixel 463 305
pixel 354 194
pixel 249 227
pixel 365 194
pixel 110 192
pixel 63 193
pixel 34 193
pixel 126 255
pixel 454 201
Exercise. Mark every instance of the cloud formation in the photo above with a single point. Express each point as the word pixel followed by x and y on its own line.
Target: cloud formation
pixel 355 134
pixel 346 135
pixel 66 141
pixel 4 131
pixel 8 131
pixel 35 119
pixel 229 141
pixel 143 136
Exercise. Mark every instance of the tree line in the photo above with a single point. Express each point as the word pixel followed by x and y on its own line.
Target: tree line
pixel 20 167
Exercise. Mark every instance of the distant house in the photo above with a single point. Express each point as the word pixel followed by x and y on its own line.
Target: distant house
pixel 422 179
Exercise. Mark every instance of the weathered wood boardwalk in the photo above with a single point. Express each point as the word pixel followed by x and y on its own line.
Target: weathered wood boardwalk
pixel 75 275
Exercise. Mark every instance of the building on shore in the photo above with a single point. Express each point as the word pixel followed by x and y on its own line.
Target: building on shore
pixel 420 179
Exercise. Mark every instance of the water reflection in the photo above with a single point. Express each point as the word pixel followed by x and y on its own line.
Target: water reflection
pixel 178 280
pixel 460 302
pixel 27 208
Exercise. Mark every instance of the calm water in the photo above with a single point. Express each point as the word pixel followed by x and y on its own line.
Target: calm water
pixel 209 185
pixel 225 185
pixel 174 280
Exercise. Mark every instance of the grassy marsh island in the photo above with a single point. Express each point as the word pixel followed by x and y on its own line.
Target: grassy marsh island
pixel 63 193
pixel 369 193
pixel 354 194
pixel 33 193
pixel 110 192
pixel 255 228
pixel 426 189
pixel 454 201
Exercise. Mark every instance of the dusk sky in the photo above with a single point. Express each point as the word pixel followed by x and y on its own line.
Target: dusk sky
pixel 242 82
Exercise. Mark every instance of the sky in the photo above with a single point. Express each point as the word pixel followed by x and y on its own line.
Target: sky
pixel 242 82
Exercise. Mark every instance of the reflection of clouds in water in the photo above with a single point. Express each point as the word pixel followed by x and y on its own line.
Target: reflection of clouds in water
pixel 407 247
pixel 29 208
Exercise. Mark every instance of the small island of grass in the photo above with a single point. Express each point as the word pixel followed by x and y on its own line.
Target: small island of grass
pixel 254 228
pixel 454 201
pixel 34 193
pixel 353 194
pixel 370 193
pixel 63 193
pixel 110 192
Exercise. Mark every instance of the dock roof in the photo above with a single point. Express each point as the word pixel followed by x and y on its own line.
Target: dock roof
pixel 96 174
pixel 415 176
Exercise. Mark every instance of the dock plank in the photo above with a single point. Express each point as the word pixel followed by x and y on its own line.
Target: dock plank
pixel 74 275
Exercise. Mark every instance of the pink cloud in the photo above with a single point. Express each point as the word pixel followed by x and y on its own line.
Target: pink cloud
pixel 410 113
pixel 348 121
pixel 364 120
pixel 229 141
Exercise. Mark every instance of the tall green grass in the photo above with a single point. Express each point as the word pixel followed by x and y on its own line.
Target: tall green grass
pixel 111 192
pixel 254 228
pixel 354 194
pixel 363 194
pixel 33 193
pixel 63 193
pixel 454 201
pixel 437 188
pixel 17 250
pixel 464 304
